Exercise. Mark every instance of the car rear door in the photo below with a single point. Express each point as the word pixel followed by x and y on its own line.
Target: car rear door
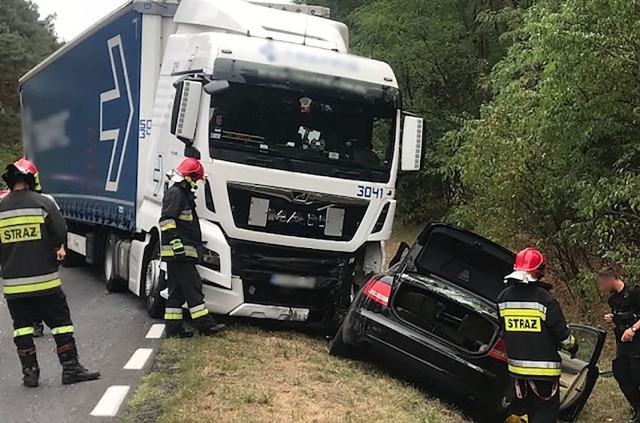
pixel 580 374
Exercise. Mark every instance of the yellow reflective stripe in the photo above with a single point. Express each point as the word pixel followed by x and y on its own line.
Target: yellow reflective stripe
pixel 166 253
pixel 186 217
pixel 199 313
pixel 34 287
pixel 534 371
pixel 168 226
pixel 172 316
pixel 523 312
pixel 21 220
pixel 62 329
pixel 23 331
pixel 191 253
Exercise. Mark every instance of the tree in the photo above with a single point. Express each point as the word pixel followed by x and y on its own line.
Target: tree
pixel 554 156
pixel 25 39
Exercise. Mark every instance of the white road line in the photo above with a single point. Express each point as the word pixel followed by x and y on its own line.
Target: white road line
pixel 155 331
pixel 110 402
pixel 138 359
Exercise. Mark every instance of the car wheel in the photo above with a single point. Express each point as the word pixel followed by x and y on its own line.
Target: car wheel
pixel 339 348
pixel 110 276
pixel 154 283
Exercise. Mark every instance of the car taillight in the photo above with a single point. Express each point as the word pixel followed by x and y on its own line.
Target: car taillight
pixel 378 291
pixel 499 350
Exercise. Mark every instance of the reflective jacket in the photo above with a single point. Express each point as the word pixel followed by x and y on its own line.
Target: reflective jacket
pixel 534 328
pixel 31 230
pixel 179 224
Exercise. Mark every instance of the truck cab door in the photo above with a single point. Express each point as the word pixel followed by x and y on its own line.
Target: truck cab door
pixel 579 374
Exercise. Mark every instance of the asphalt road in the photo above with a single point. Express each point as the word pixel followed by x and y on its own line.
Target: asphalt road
pixel 109 329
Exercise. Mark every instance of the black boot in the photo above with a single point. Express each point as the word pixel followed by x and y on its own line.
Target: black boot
pixel 72 370
pixel 207 326
pixel 176 330
pixel 30 368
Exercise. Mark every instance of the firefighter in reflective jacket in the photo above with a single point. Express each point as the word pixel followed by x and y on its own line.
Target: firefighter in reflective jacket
pixel 32 231
pixel 181 247
pixel 534 328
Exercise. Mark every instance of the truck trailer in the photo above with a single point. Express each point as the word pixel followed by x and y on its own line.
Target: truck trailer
pixel 302 143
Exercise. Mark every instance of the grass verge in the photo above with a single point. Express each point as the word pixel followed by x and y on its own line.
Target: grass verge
pixel 249 375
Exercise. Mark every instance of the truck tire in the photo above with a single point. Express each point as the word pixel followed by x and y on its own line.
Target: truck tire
pixel 153 282
pixel 339 348
pixel 111 279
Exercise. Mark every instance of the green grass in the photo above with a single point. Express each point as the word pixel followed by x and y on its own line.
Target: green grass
pixel 252 375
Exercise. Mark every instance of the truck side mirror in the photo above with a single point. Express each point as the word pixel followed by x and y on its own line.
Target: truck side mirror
pixel 186 108
pixel 215 87
pixel 412 136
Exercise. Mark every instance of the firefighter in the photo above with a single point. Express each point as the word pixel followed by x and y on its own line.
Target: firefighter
pixel 624 300
pixel 31 233
pixel 181 247
pixel 29 166
pixel 534 328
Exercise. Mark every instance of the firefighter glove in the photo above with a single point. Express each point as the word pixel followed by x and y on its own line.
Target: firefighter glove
pixel 177 247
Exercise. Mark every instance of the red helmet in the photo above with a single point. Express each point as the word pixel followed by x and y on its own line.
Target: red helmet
pixel 192 169
pixel 28 167
pixel 23 167
pixel 529 260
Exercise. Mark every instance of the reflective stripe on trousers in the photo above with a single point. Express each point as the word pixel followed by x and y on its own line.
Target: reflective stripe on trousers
pixel 172 313
pixel 23 331
pixel 198 311
pixel 535 368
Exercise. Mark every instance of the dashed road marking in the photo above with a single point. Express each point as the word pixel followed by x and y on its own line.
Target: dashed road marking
pixel 155 332
pixel 111 401
pixel 138 359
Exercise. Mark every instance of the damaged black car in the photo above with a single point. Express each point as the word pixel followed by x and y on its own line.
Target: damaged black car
pixel 432 316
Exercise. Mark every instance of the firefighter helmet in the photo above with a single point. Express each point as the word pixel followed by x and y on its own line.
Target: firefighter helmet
pixel 26 169
pixel 529 260
pixel 191 170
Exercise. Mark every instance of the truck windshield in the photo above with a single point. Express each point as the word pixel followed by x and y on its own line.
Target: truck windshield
pixel 290 130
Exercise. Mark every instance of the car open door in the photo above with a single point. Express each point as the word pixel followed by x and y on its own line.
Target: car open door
pixel 579 374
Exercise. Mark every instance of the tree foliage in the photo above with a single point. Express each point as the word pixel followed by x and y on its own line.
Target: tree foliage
pixel 555 155
pixel 25 39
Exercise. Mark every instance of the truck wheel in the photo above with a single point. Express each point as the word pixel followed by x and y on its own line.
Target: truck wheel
pixel 339 348
pixel 111 278
pixel 154 283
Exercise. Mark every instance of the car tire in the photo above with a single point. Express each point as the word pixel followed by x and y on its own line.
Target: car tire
pixel 153 282
pixel 339 348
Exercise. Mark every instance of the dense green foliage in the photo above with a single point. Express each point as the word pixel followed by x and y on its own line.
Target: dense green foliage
pixel 533 115
pixel 25 39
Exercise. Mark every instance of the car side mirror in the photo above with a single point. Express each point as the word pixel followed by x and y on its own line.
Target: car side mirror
pixel 397 258
pixel 412 141
pixel 186 109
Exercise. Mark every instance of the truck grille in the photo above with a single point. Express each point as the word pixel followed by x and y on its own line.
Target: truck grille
pixel 295 213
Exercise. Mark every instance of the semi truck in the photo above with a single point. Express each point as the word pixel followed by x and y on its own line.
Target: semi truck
pixel 302 143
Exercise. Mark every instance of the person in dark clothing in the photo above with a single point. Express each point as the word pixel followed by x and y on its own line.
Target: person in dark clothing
pixel 181 248
pixel 624 300
pixel 32 231
pixel 534 328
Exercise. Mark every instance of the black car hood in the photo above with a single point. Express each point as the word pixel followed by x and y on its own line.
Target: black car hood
pixel 463 258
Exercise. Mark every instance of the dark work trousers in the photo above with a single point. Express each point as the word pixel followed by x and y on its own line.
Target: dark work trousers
pixel 626 371
pixel 538 407
pixel 50 308
pixel 184 284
